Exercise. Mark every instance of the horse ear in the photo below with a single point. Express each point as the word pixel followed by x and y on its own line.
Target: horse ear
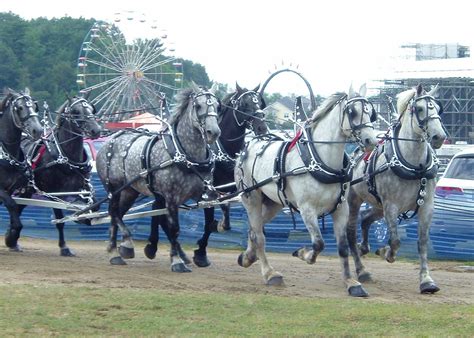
pixel 256 88
pixel 214 88
pixel 419 90
pixel 434 91
pixel 363 90
pixel 351 91
pixel 27 91
pixel 238 88
pixel 86 95
pixel 195 87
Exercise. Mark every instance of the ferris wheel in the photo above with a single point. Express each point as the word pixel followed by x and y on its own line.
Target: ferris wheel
pixel 128 66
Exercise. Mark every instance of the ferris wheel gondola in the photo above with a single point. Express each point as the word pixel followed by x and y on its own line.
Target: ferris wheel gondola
pixel 128 74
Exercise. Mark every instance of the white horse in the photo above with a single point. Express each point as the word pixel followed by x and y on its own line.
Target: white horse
pixel 320 154
pixel 400 176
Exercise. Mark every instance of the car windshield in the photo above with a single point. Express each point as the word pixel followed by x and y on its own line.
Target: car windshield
pixel 461 168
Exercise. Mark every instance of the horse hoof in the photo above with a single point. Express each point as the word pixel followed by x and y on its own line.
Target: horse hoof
pixel 117 261
pixel 66 252
pixel 180 267
pixel 16 248
pixel 150 251
pixel 201 260
pixel 363 249
pixel 357 291
pixel 275 281
pixel 126 253
pixel 11 239
pixel 296 253
pixel 364 277
pixel 428 287
pixel 240 260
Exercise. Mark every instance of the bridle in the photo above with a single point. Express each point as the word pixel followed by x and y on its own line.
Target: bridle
pixel 87 114
pixel 19 121
pixel 236 104
pixel 211 110
pixel 430 103
pixel 350 111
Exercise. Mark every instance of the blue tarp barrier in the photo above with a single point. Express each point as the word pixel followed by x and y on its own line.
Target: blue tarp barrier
pixel 452 229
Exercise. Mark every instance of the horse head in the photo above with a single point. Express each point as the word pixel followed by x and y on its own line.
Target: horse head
pixel 205 106
pixel 80 113
pixel 358 116
pixel 424 112
pixel 247 107
pixel 24 112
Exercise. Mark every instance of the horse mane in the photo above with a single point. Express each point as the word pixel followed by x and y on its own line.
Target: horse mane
pixel 403 99
pixel 60 112
pixel 182 98
pixel 327 105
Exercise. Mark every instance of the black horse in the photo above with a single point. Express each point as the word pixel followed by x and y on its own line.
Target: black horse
pixel 18 113
pixel 59 162
pixel 172 166
pixel 241 110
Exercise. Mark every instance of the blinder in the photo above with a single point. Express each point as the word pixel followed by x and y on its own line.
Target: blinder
pixel 259 103
pixel 368 108
pixel 430 103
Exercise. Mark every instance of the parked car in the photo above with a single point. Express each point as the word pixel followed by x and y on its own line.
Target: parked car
pixel 458 178
pixel 92 146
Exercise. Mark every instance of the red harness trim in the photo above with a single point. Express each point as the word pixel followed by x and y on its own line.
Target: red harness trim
pixel 368 154
pixel 295 139
pixel 38 156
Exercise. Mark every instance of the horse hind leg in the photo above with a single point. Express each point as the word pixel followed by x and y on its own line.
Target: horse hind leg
pixel 63 248
pixel 389 252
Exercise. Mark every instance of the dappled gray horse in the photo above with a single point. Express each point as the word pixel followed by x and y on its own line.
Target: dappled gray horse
pixel 175 165
pixel 400 177
pixel 312 179
pixel 18 113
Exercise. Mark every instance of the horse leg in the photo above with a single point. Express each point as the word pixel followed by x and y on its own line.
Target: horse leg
pixel 63 248
pixel 13 232
pixel 340 219
pixel 118 206
pixel 210 225
pixel 259 211
pixel 389 252
pixel 177 263
pixel 310 217
pixel 152 246
pixel 427 284
pixel 354 207
pixel 368 217
pixel 224 223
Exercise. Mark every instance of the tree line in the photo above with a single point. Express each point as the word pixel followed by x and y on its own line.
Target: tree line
pixel 42 54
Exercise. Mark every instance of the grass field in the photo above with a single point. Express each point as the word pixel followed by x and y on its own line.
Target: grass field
pixel 28 310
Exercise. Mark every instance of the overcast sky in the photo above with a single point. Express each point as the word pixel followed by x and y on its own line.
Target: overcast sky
pixel 333 42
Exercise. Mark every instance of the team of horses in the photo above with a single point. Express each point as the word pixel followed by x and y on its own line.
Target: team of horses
pixel 204 153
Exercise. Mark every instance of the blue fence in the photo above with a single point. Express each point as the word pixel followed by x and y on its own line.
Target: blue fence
pixel 452 229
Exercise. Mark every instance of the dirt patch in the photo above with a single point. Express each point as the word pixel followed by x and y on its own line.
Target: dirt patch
pixel 41 264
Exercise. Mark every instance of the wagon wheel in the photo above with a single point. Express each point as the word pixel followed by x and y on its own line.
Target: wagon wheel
pixel 310 90
pixel 128 66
